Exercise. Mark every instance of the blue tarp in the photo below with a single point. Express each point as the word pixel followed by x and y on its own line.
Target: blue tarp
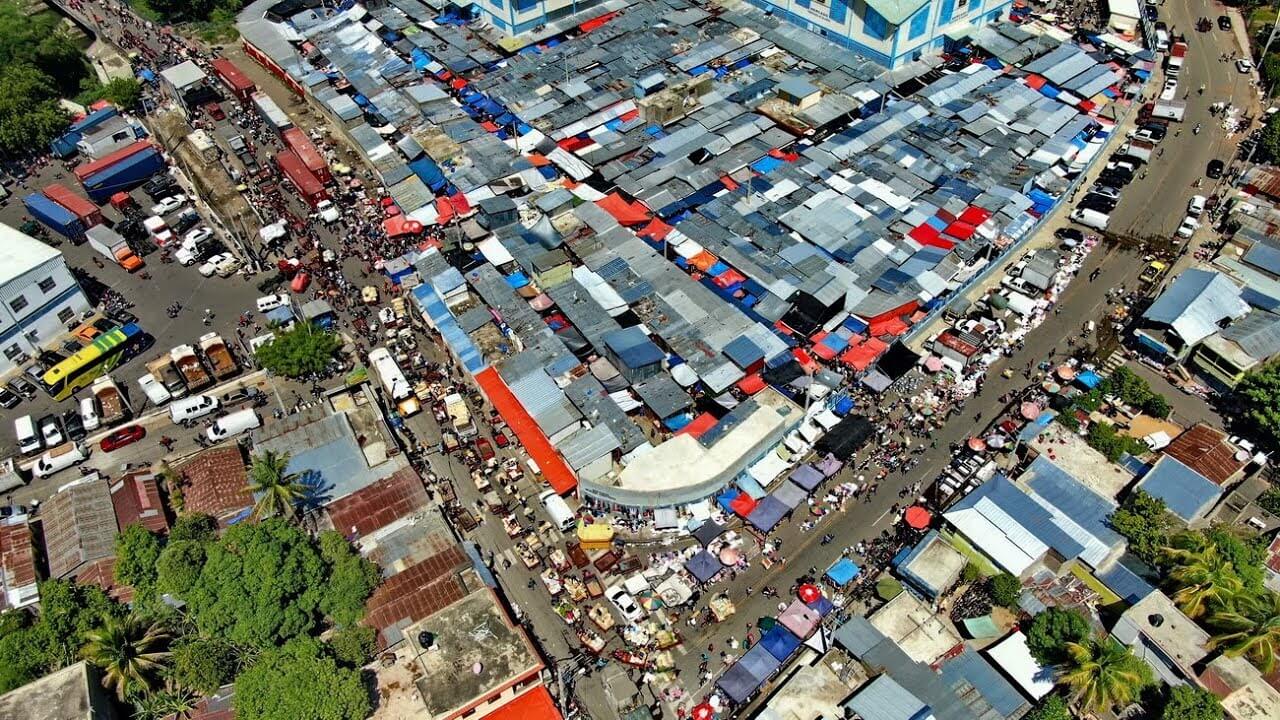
pixel 779 642
pixel 726 498
pixel 766 164
pixel 737 683
pixel 429 172
pixel 1088 379
pixel 751 486
pixel 822 606
pixel 843 571
pixel 760 663
pixel 843 406
pixel 807 477
pixel 768 514
pixel 703 566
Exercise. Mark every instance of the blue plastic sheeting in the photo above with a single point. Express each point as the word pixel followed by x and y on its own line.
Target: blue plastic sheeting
pixel 430 304
pixel 768 514
pixel 718 268
pixel 1088 379
pixel 726 497
pixel 807 477
pixel 760 663
pixel 843 406
pixel 429 172
pixel 677 422
pixel 994 64
pixel 147 75
pixel 779 642
pixel 517 280
pixel 843 572
pixel 279 316
pixel 766 164
pixel 855 324
pixel 822 606
pixel 751 486
pixel 703 566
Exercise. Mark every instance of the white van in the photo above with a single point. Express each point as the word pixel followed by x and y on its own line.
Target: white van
pixel 1090 218
pixel 89 413
pixel 1162 40
pixel 233 424
pixel 59 459
pixel 191 408
pixel 558 509
pixel 154 390
pixel 28 438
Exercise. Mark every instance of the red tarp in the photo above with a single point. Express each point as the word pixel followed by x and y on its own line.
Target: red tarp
pixel 535 704
pixel 553 467
pixel 924 233
pixel 945 216
pixel 805 359
pixel 1035 82
pixel 975 215
pixel 626 213
pixel 700 425
pixel 458 83
pixel 751 384
pixel 655 230
pixel 728 278
pixel 728 183
pixel 573 144
pixel 703 261
pixel 962 230
pixel 888 326
pixel 860 357
pixel 490 126
pixel 598 22
pixel 742 505
pixel 784 155
pixel 444 211
pixel 400 225
pixel 824 352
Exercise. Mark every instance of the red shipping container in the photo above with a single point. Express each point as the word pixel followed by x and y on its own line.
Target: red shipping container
pixel 308 185
pixel 237 82
pixel 307 152
pixel 84 170
pixel 88 213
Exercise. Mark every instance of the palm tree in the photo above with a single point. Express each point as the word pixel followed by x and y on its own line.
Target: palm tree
pixel 1251 629
pixel 1203 577
pixel 130 651
pixel 1101 674
pixel 278 491
pixel 170 701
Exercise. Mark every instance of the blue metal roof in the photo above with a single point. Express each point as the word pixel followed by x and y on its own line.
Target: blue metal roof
pixel 1030 515
pixel 1126 582
pixel 1264 256
pixel 633 347
pixel 971 668
pixel 884 699
pixel 1187 493
pixel 743 352
pixel 1075 500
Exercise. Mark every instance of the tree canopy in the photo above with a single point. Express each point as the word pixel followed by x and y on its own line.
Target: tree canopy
pixel 1187 702
pixel 1050 632
pixel 299 681
pixel 1259 391
pixel 31 647
pixel 39 62
pixel 1144 521
pixel 204 664
pixel 1051 707
pixel 298 352
pixel 1006 590
pixel 1269 149
pixel 137 552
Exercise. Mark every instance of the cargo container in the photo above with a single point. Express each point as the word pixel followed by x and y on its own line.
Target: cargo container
pixel 111 246
pixel 297 141
pixel 57 218
pixel 189 366
pixel 113 407
pixel 308 185
pixel 84 170
pixel 219 356
pixel 88 213
pixel 124 175
pixel 271 113
pixel 240 86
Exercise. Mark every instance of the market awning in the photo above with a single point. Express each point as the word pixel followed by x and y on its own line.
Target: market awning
pixel 799 619
pixel 780 642
pixel 743 505
pixel 703 566
pixel 760 663
pixel 707 532
pixel 790 495
pixel 768 514
pixel 807 477
pixel 843 572
pixel 553 467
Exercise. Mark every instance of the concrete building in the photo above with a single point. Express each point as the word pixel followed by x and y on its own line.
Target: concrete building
pixel 890 32
pixel 73 693
pixel 187 85
pixel 1164 638
pixel 38 296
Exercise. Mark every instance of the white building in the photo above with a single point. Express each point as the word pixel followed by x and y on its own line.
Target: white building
pixel 38 296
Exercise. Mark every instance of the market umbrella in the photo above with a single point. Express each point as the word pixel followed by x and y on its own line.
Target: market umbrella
pixel 1030 410
pixel 766 623
pixel 917 517
pixel 1051 387
pixel 995 442
pixel 703 711
pixel 1066 372
pixel 808 593
pixel 933 363
pixel 729 556
pixel 977 444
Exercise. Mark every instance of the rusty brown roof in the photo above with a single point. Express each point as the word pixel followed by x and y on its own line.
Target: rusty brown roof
pixel 415 593
pixel 1205 449
pixel 79 526
pixel 17 556
pixel 136 498
pixel 376 505
pixel 216 482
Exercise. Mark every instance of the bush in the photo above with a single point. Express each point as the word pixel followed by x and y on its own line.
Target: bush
pixel 970 573
pixel 1006 590
pixel 204 665
pixel 1052 707
pixel 1144 521
pixel 354 645
pixel 1104 438
pixel 298 352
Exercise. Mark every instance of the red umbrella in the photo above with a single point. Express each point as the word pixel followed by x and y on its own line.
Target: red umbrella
pixel 703 711
pixel 1030 410
pixel 977 444
pixel 917 517
pixel 808 593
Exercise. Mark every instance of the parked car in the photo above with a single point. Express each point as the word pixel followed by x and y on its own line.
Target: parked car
pixel 268 303
pixel 214 110
pixel 169 204
pixel 1243 66
pixel 625 604
pixel 22 387
pixel 74 425
pixel 1224 22
pixel 51 431
pixel 1170 90
pixel 213 265
pixel 187 220
pixel 1188 227
pixel 126 435
pixel 1215 169
pixel 1195 207
pixel 160 186
pixel 8 398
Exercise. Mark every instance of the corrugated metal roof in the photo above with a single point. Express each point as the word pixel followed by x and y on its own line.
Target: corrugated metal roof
pixel 1195 303
pixel 970 669
pixel 1187 493
pixel 588 445
pixel 884 699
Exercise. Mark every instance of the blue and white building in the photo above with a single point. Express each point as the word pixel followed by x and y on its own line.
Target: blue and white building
pixel 38 296
pixel 891 32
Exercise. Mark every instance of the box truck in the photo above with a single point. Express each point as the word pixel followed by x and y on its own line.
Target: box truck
pixel 111 246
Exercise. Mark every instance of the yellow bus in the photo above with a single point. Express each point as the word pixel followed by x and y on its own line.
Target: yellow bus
pixel 92 361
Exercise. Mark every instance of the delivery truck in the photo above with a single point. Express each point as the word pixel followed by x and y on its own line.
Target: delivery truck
pixel 188 363
pixel 111 246
pixel 236 82
pixel 271 114
pixel 88 213
pixel 112 406
pixel 221 361
pixel 54 216
pixel 300 144
pixel 1173 110
pixel 304 181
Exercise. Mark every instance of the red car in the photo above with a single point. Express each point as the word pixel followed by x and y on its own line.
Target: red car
pixel 500 439
pixel 214 110
pixel 300 281
pixel 126 435
pixel 485 448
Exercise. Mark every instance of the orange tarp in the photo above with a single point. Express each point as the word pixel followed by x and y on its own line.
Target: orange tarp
pixel 699 425
pixel 703 261
pixel 553 467
pixel 626 213
pixel 535 704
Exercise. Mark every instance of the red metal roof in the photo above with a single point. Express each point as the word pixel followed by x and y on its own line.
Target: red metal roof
pixel 377 505
pixel 415 593
pixel 950 340
pixel 307 152
pixel 553 467
pixel 17 555
pixel 536 704
pixel 1206 450
pixel 215 482
pixel 136 499
pixel 231 75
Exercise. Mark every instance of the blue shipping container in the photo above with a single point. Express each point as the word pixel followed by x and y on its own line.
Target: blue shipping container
pixel 59 219
pixel 124 175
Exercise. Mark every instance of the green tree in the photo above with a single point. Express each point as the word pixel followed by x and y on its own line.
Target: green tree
pixel 1104 438
pixel 1259 391
pixel 1244 549
pixel 278 491
pixel 40 42
pixel 354 645
pixel 1144 521
pixel 1006 590
pixel 1101 674
pixel 298 352
pixel 204 664
pixel 1203 578
pixel 1051 707
pixel 1051 630
pixel 194 526
pixel 1187 702
pixel 132 652
pixel 1251 629
pixel 178 569
pixel 69 611
pixel 298 681
pixel 24 652
pixel 170 701
pixel 137 552
pixel 1157 406
pixel 351 579
pixel 123 92
pixel 1270 500
pixel 30 115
